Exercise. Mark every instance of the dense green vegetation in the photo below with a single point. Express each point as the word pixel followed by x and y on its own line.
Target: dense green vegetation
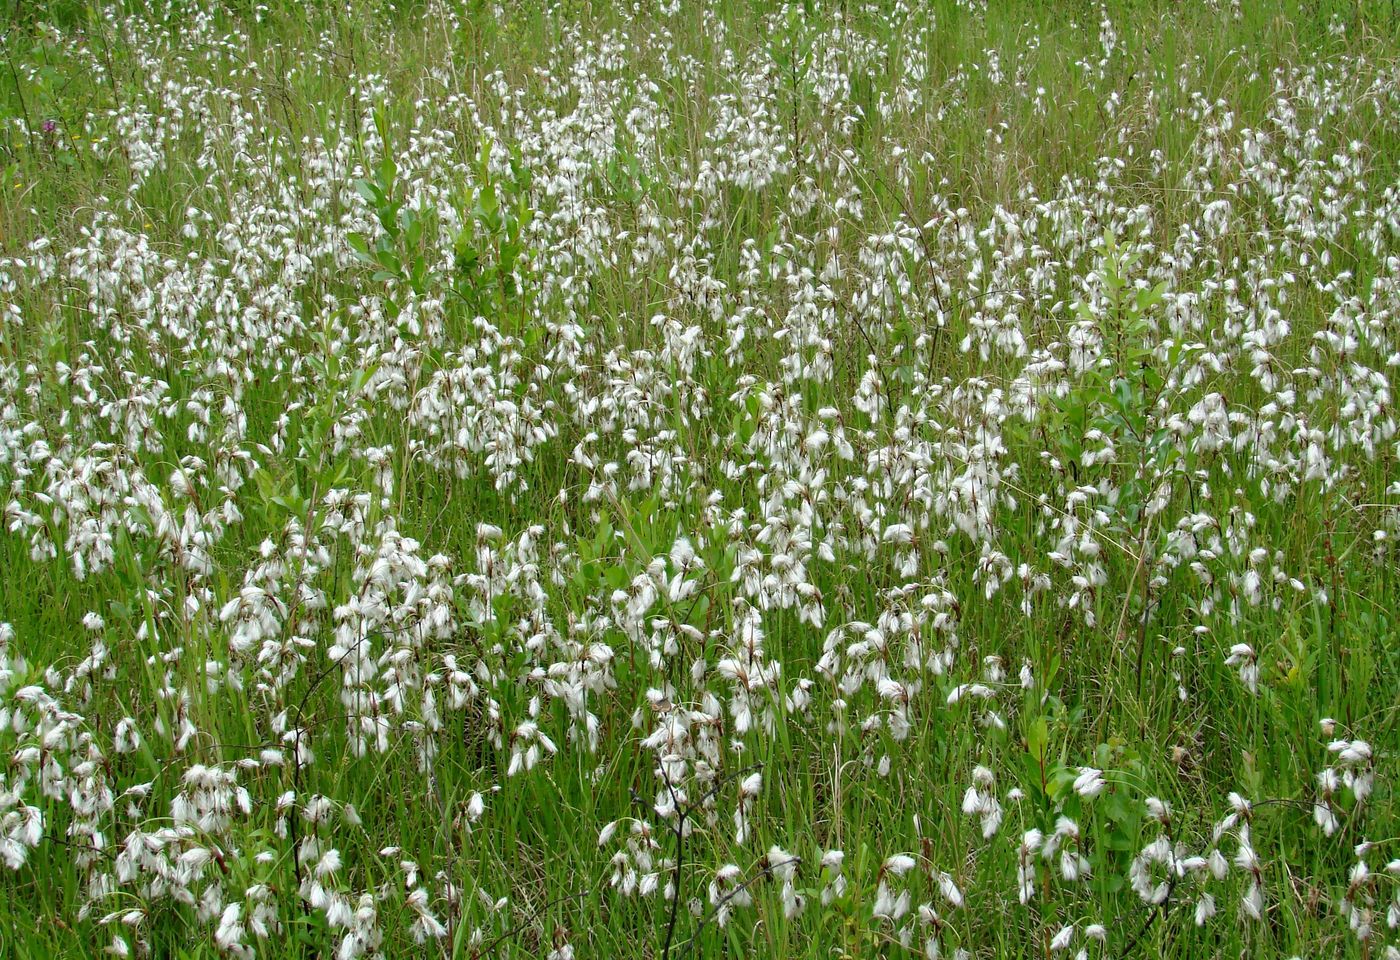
pixel 697 479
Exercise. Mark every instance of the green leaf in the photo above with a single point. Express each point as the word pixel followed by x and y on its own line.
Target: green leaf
pixel 360 247
pixel 1038 739
pixel 370 192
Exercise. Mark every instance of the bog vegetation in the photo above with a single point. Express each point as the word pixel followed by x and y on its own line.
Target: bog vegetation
pixel 667 479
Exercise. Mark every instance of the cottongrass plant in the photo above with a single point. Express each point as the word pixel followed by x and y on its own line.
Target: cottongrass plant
pixel 680 479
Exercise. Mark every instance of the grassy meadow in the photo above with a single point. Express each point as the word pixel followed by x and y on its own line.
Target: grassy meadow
pixel 681 479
